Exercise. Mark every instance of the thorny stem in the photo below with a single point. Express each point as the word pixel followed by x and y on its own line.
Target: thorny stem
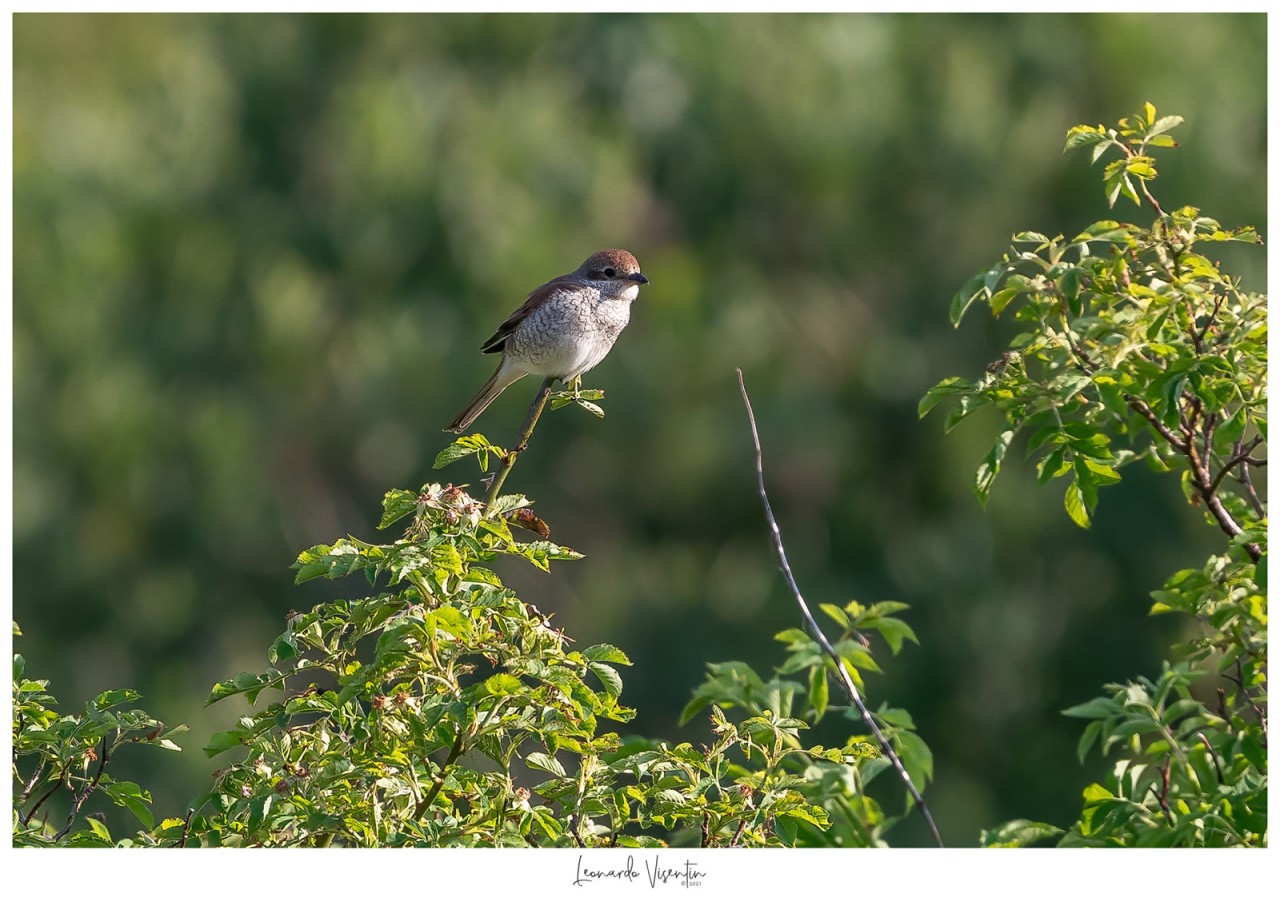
pixel 509 459
pixel 1164 792
pixel 186 828
pixel 31 783
pixel 850 689
pixel 86 791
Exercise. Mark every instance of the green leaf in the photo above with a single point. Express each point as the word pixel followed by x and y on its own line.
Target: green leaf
pixel 1162 125
pixel 1069 284
pixel 1113 182
pixel 1075 504
pixel 990 466
pixel 507 503
pixel 1083 136
pixel 466 445
pixel 1096 708
pixel 1108 230
pixel 112 698
pixel 1018 834
pixel 1030 237
pixel 1141 167
pixel 916 758
pixel 259 808
pixel 99 829
pixel 1088 737
pixel 284 648
pixel 836 613
pixel 395 505
pixel 541 553
pixel 894 632
pixel 221 741
pixel 608 677
pixel 1002 298
pixel 968 402
pixel 1052 465
pixel 819 694
pixel 503 684
pixel 947 387
pixel 1103 473
pixel 540 761
pixel 249 684
pixel 606 653
pixel 856 655
pixel 973 289
pixel 1095 792
pixel 131 796
pixel 344 557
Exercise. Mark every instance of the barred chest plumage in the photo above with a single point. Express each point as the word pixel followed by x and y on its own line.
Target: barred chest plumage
pixel 571 332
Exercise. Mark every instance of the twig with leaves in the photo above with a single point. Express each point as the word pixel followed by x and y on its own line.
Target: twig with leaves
pixel 845 679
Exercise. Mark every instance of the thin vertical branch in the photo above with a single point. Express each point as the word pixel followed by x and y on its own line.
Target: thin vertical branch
pixel 88 790
pixel 186 828
pixel 31 783
pixel 812 624
pixel 530 422
pixel 455 751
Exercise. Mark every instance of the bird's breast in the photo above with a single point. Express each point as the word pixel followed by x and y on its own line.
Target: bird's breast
pixel 570 333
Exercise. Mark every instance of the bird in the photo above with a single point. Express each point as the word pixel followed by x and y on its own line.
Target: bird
pixel 564 329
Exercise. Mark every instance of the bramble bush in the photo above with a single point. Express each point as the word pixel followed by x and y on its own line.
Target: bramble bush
pixel 442 710
pixel 1133 345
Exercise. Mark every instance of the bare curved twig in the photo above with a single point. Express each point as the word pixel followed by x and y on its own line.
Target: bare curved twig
pixel 812 624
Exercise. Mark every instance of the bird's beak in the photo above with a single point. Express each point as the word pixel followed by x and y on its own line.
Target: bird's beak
pixel 638 278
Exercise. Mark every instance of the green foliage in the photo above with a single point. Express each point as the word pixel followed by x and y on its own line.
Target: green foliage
pixel 445 711
pixel 1132 344
pixel 797 697
pixel 1128 335
pixel 60 763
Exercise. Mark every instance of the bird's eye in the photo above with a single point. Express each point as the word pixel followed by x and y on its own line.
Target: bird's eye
pixel 610 273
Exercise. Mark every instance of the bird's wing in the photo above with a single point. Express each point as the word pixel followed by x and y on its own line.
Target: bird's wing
pixel 498 341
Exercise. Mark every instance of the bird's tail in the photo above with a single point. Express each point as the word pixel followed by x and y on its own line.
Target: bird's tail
pixel 505 376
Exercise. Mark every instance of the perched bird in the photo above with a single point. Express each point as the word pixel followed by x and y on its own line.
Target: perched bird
pixel 564 329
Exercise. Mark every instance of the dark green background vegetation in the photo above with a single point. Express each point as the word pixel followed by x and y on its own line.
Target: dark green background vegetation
pixel 255 256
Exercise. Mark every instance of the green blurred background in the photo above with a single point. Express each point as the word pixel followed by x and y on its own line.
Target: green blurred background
pixel 255 256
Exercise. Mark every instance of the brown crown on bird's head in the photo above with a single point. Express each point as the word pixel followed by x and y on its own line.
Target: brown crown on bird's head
pixel 613 263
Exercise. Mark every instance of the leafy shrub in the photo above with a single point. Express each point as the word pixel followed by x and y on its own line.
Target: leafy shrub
pixel 1134 346
pixel 442 710
pixel 60 763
